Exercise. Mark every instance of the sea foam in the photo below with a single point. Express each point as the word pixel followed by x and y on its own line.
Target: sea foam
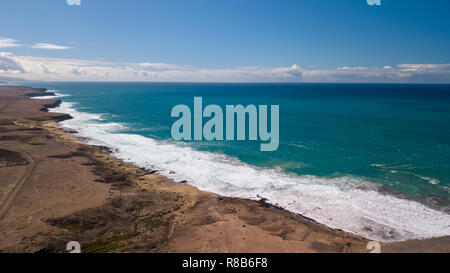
pixel 346 203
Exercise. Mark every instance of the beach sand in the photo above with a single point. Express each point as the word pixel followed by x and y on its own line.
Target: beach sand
pixel 55 189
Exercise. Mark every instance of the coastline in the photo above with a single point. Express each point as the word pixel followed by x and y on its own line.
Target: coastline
pixel 85 194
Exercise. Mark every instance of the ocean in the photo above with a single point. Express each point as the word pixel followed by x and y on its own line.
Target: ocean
pixel 370 159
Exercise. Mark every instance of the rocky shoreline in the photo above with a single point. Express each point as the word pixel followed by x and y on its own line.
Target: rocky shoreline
pixel 66 190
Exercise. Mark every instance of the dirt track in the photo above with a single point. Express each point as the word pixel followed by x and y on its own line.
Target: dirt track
pixel 4 206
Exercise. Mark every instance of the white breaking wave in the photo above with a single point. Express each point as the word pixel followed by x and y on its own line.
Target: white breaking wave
pixel 57 95
pixel 335 202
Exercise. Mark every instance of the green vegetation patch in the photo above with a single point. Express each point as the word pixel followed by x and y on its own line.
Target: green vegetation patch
pixel 115 241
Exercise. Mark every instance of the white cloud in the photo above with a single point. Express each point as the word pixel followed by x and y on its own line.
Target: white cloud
pixel 49 46
pixel 162 66
pixel 46 70
pixel 59 69
pixel 402 73
pixel 295 71
pixel 7 42
pixel 9 63
pixel 78 71
pixel 73 2
pixel 423 67
pixel 353 68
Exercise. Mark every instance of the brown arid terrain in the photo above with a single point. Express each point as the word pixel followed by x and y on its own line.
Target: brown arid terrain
pixel 55 189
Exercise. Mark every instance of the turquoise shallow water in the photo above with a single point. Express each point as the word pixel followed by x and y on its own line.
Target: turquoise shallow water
pixel 349 135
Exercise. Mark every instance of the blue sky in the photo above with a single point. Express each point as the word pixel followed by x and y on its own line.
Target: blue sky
pixel 314 35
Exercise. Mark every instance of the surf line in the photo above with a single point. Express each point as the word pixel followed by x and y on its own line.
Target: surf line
pixel 213 128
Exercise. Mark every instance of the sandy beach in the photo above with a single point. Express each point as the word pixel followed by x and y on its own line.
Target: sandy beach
pixel 54 189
